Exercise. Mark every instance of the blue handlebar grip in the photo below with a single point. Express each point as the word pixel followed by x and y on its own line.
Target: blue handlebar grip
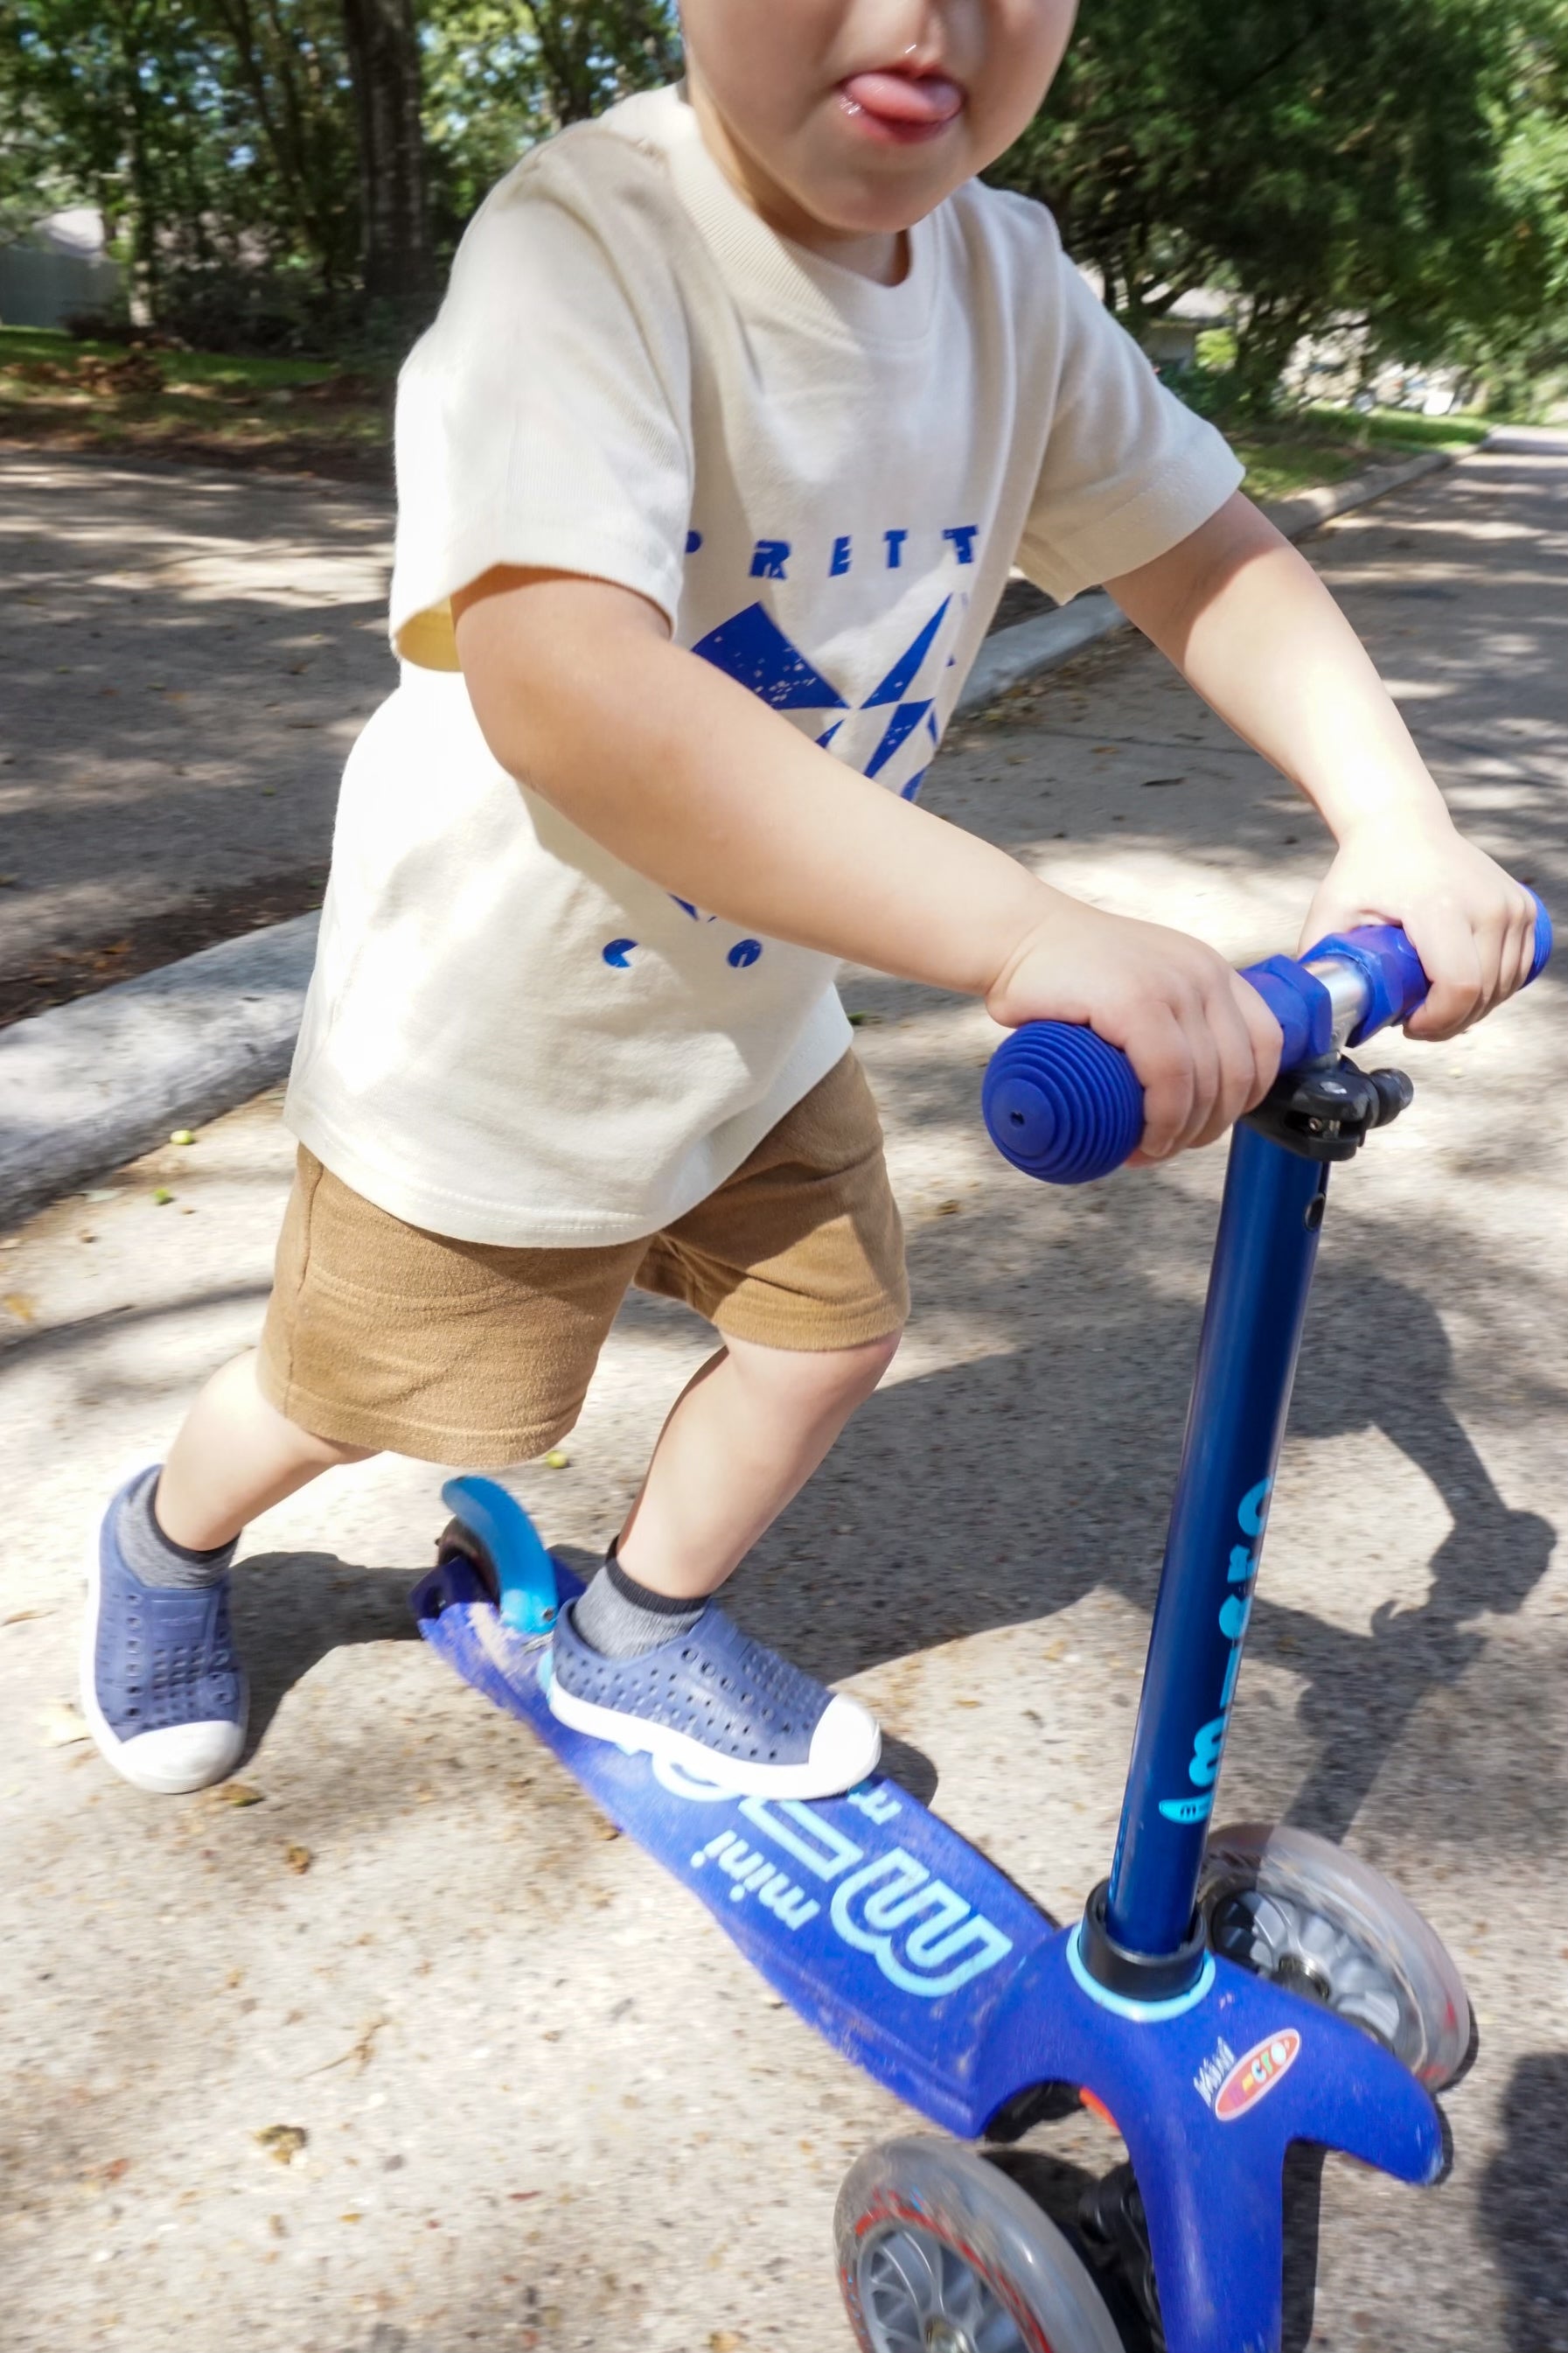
pixel 1061 1104
pixel 1064 1106
pixel 1542 956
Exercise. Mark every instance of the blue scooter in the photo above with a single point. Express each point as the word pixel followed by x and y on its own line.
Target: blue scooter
pixel 1225 1994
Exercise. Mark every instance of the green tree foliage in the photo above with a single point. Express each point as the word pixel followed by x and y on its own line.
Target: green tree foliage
pixel 499 76
pixel 1330 160
pixel 269 167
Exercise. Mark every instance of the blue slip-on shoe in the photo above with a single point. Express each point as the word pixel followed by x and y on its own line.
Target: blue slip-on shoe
pixel 161 1686
pixel 719 1706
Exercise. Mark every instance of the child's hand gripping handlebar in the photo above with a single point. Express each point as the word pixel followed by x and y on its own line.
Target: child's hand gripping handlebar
pixel 1064 1106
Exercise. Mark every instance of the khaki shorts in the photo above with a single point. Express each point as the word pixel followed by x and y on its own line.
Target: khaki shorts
pixel 473 1354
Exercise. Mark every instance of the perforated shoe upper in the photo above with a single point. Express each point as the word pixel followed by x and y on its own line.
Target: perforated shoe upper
pixel 163 1655
pixel 715 1685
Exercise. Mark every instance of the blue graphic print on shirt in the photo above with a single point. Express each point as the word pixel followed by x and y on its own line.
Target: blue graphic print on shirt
pixel 752 648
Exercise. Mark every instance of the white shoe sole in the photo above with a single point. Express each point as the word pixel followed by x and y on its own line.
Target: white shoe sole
pixel 170 1762
pixel 850 1751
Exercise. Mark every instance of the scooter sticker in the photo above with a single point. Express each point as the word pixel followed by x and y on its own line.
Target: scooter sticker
pixel 926 1939
pixel 1256 2073
pixel 1209 1742
pixel 1186 1810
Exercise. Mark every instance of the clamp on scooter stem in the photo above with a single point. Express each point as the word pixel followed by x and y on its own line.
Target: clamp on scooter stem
pixel 1065 1107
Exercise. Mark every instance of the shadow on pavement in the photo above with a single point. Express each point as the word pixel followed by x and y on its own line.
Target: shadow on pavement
pixel 290 1609
pixel 1521 2204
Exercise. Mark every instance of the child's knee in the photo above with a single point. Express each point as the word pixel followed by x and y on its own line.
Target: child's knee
pixel 818 1378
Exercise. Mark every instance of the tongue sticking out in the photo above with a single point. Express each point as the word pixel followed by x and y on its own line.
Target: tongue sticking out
pixel 903 97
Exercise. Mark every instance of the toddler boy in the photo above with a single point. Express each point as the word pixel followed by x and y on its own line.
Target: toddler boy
pixel 742 404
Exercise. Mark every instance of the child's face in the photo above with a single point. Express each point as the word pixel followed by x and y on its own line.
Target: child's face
pixel 862 115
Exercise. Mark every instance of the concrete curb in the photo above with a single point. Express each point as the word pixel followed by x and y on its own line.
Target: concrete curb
pixel 88 1086
pixel 1034 647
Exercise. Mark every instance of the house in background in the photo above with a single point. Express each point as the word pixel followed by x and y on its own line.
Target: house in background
pixel 58 268
pixel 1173 341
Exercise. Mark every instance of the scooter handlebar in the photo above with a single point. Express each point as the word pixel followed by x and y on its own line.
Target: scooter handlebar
pixel 1065 1107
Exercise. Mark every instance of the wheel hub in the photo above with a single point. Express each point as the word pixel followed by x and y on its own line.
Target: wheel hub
pixel 1279 1934
pixel 919 2293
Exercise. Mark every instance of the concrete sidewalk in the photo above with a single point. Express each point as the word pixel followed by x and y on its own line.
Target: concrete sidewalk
pixel 543 2104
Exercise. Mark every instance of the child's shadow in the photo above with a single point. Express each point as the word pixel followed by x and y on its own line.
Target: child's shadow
pixel 293 1608
pixel 1521 2204
pixel 1003 1492
pixel 1489 1562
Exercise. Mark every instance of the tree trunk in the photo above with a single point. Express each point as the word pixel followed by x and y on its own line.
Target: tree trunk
pixel 383 60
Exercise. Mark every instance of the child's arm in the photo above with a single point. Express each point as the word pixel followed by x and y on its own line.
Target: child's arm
pixel 698 784
pixel 1254 629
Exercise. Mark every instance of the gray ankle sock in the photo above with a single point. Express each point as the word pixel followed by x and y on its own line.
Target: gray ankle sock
pixel 622 1619
pixel 154 1557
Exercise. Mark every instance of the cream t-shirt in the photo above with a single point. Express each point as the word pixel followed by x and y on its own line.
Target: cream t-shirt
pixel 510 1036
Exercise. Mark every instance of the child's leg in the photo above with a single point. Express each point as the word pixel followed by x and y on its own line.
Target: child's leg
pixel 742 1440
pixel 161 1684
pixel 798 1260
pixel 236 1456
pixel 644 1649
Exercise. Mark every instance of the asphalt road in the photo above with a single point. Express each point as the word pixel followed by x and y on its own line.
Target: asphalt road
pixel 190 655
pixel 542 2102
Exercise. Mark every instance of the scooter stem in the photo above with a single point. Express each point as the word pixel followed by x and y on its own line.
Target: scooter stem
pixel 1262 1273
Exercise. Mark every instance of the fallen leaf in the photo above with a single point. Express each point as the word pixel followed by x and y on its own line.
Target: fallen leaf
pixel 237 1793
pixel 17 1616
pixel 281 2142
pixel 724 2340
pixel 351 2218
pixel 18 1304
pixel 298 1858
pixel 947 1210
pixel 63 1725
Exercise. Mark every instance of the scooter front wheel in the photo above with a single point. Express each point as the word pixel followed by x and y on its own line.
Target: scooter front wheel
pixel 1293 1908
pixel 938 2253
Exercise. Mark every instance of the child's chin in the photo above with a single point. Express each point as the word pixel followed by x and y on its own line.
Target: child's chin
pixel 870 204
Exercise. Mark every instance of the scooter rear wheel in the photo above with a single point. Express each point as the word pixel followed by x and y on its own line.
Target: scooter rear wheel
pixel 1302 1913
pixel 938 2253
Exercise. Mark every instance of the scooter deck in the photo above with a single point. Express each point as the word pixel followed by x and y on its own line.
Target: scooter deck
pixel 873 1918
pixel 915 1958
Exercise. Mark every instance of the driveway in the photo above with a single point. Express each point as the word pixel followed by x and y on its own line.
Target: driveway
pixel 531 2097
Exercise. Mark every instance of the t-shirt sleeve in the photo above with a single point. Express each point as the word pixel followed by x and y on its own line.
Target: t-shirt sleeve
pixel 541 421
pixel 1128 470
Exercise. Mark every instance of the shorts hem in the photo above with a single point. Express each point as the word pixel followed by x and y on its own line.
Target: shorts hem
pixel 391 1433
pixel 812 1332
